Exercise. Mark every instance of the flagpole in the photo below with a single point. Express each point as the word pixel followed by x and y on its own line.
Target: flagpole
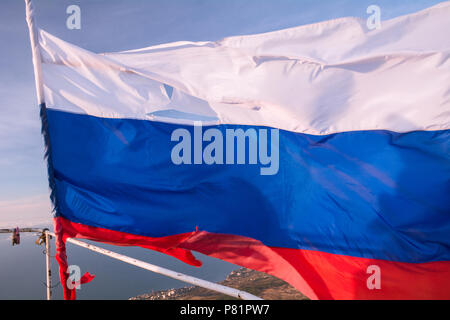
pixel 37 60
pixel 37 66
pixel 48 266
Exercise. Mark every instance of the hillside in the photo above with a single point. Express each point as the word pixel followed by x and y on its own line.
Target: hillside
pixel 257 283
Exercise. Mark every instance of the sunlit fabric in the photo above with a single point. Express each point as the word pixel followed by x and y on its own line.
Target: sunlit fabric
pixel 361 184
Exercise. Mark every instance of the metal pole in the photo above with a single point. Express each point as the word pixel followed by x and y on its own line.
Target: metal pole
pixel 37 66
pixel 48 266
pixel 37 60
pixel 166 272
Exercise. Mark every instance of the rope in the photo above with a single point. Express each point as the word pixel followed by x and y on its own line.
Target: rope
pixel 51 287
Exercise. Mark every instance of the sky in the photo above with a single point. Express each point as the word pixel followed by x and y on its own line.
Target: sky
pixel 116 25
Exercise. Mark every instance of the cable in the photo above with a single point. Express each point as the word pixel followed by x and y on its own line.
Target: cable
pixel 51 287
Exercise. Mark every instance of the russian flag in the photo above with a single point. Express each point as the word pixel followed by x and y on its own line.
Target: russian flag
pixel 318 154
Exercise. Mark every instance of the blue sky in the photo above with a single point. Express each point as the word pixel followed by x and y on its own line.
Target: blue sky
pixel 115 25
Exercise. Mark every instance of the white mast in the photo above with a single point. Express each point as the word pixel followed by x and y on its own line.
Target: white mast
pixel 35 49
pixel 37 66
